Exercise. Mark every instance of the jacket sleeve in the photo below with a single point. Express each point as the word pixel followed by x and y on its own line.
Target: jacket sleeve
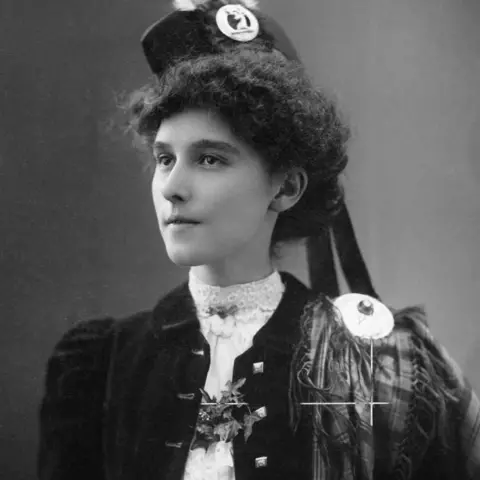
pixel 465 421
pixel 432 423
pixel 71 411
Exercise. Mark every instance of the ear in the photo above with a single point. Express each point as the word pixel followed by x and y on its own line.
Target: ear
pixel 290 190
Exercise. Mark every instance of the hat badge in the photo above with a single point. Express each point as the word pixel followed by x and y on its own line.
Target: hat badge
pixel 237 22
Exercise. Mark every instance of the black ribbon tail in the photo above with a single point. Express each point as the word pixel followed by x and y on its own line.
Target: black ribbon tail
pixel 321 265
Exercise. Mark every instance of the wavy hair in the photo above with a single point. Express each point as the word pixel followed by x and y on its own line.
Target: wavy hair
pixel 272 105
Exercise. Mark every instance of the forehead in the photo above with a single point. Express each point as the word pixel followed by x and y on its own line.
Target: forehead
pixel 192 125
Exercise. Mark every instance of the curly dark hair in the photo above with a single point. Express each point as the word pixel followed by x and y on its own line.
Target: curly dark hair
pixel 272 105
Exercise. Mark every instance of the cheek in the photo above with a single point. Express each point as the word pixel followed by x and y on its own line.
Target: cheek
pixel 240 210
pixel 157 196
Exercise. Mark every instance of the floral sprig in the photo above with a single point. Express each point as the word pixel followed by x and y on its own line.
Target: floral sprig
pixel 216 421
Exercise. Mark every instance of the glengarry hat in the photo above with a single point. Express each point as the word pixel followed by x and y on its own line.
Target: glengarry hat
pixel 202 27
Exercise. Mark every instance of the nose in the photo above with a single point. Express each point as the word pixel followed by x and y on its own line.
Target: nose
pixel 174 185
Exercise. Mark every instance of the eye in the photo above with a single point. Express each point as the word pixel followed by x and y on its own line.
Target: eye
pixel 207 159
pixel 159 159
pixel 211 157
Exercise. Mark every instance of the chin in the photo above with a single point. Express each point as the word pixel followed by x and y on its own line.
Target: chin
pixel 186 257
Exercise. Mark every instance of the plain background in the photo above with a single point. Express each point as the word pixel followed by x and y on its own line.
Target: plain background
pixel 78 233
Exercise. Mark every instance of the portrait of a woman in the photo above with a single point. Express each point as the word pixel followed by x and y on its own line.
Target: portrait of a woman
pixel 242 372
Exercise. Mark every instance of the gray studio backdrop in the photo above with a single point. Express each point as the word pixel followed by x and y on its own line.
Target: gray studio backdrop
pixel 78 234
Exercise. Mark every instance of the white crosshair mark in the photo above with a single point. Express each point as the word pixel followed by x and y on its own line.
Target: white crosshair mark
pixel 371 403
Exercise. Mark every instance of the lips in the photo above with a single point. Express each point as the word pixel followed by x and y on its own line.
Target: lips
pixel 177 227
pixel 182 222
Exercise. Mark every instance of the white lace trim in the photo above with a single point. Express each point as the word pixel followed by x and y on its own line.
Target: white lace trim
pixel 264 294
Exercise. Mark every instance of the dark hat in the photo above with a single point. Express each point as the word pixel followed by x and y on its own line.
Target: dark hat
pixel 202 27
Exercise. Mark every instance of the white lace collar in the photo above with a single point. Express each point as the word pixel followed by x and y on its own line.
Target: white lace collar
pixel 264 294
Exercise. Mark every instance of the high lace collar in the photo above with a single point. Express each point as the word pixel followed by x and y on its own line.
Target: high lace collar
pixel 264 294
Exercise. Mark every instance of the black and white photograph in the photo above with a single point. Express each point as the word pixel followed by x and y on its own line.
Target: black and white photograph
pixel 240 240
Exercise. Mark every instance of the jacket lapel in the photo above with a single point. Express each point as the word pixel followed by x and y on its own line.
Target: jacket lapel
pixel 282 330
pixel 151 365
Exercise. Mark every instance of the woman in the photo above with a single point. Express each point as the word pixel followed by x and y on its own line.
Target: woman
pixel 244 146
pixel 215 381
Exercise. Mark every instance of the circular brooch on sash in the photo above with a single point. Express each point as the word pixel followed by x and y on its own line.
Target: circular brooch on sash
pixel 365 316
pixel 237 22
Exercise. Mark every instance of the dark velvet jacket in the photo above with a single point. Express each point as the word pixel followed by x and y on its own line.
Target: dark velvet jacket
pixel 122 396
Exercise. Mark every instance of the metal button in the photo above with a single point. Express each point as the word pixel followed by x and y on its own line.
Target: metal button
pixel 260 462
pixel 186 396
pixel 258 368
pixel 174 444
pixel 261 412
pixel 366 307
pixel 201 353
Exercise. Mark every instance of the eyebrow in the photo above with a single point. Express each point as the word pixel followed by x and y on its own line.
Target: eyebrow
pixel 205 143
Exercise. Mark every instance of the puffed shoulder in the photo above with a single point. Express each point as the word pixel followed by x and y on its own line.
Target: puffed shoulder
pixel 84 347
pixel 402 342
pixel 70 416
pixel 88 334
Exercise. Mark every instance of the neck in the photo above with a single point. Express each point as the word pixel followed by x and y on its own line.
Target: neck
pixel 227 275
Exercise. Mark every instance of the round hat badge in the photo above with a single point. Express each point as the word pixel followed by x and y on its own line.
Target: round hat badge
pixel 365 316
pixel 237 22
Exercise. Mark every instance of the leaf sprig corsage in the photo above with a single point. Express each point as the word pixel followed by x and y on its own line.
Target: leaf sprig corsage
pixel 221 420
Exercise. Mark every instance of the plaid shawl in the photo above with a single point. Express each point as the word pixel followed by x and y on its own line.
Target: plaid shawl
pixel 429 423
